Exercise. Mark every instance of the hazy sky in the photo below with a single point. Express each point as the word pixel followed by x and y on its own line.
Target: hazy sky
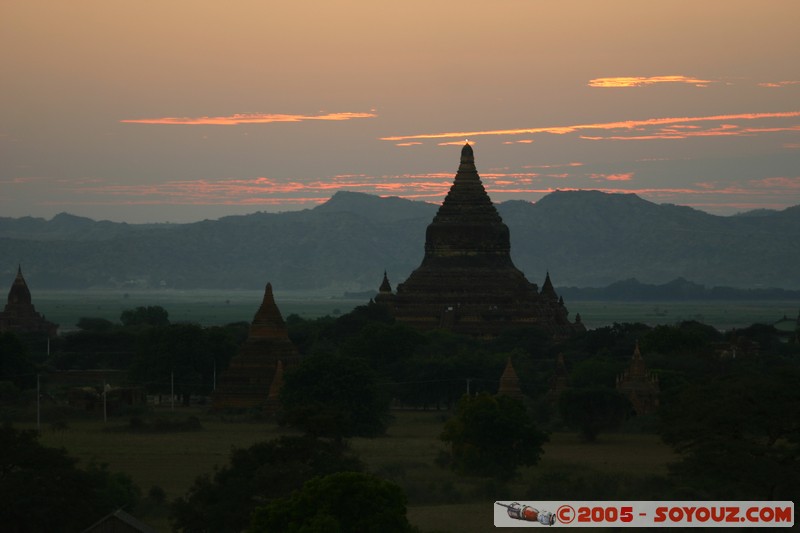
pixel 172 110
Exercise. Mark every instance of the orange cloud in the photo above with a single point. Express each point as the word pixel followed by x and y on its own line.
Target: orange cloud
pixel 641 81
pixel 248 118
pixel 620 125
pixel 726 130
pixel 558 165
pixel 776 84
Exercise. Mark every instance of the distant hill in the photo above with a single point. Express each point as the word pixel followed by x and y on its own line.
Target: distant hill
pixel 66 227
pixel 583 238
pixel 589 238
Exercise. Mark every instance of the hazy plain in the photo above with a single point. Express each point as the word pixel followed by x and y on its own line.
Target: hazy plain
pixel 219 307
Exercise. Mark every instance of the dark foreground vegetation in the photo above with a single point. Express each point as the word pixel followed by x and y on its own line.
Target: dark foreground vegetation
pixel 350 456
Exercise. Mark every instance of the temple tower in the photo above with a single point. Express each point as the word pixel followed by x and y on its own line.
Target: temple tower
pixel 509 383
pixel 256 372
pixel 639 385
pixel 19 313
pixel 467 281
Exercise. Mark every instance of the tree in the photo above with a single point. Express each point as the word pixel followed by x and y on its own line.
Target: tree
pixel 44 490
pixel 15 363
pixel 261 473
pixel 334 396
pixel 94 324
pixel 492 436
pixel 592 410
pixel 688 337
pixel 180 351
pixel 152 315
pixel 96 346
pixel 738 433
pixel 344 502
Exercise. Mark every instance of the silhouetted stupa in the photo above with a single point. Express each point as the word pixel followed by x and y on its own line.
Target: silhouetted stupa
pixel 509 383
pixel 639 385
pixel 20 315
pixel 467 282
pixel 255 374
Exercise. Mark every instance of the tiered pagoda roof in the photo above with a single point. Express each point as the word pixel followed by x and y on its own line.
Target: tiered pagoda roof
pixel 467 281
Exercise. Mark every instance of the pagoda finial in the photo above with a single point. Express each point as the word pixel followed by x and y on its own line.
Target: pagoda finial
pixel 467 158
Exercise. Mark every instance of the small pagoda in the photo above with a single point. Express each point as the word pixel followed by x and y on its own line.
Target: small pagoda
pixel 467 282
pixel 19 314
pixel 255 374
pixel 639 385
pixel 509 383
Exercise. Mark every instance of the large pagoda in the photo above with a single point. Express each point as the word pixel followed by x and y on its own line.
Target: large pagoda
pixel 255 374
pixel 467 281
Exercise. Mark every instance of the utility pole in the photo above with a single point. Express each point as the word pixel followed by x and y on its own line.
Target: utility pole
pixel 172 389
pixel 105 403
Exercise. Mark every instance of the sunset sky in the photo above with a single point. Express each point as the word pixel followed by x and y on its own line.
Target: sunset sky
pixel 180 110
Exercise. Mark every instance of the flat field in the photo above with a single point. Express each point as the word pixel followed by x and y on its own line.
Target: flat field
pixel 439 500
pixel 220 307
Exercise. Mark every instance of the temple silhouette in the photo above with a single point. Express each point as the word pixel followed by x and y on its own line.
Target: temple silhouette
pixel 255 374
pixel 20 315
pixel 467 282
pixel 639 385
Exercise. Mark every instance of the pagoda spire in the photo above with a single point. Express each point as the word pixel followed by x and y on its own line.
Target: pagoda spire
pixel 19 294
pixel 385 287
pixel 548 291
pixel 637 363
pixel 268 321
pixel 467 223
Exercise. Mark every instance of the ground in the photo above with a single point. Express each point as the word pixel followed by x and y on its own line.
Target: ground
pixel 439 499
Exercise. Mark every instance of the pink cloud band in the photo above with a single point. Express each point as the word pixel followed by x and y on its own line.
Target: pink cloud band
pixel 248 118
pixel 625 125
